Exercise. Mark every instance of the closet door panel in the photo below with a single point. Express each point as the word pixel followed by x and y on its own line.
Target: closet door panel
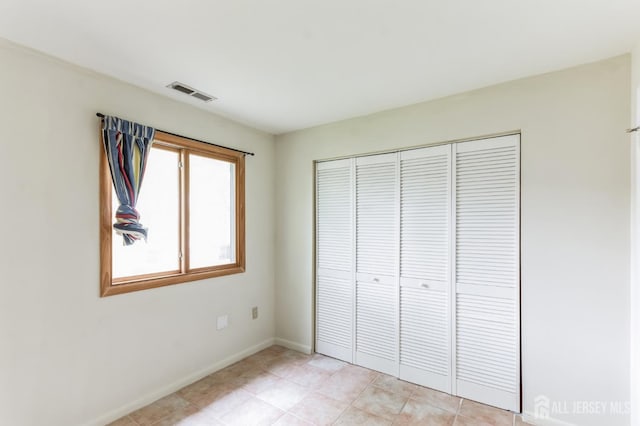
pixel 334 262
pixel 487 273
pixel 425 355
pixel 425 335
pixel 376 262
pixel 417 263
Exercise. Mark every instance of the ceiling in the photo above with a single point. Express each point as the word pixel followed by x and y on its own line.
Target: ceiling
pixel 282 65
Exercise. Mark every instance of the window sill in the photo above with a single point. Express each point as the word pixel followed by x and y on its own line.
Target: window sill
pixel 111 288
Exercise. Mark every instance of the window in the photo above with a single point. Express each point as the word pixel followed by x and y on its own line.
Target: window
pixel 192 201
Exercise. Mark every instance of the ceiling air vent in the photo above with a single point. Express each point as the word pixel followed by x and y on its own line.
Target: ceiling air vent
pixel 188 90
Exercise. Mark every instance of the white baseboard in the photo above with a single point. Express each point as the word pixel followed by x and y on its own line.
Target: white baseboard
pixel 293 345
pixel 171 388
pixel 531 418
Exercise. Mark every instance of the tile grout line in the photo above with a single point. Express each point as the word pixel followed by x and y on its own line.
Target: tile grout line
pixel 297 417
pixel 284 413
pixel 133 420
pixel 358 396
pixel 310 391
pixel 455 419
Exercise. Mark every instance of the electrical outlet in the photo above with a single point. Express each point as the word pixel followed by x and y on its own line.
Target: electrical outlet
pixel 254 312
pixel 223 322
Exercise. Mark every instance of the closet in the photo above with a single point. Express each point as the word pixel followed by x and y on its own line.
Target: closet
pixel 417 266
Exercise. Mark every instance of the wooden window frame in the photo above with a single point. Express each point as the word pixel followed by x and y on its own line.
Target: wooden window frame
pixel 183 146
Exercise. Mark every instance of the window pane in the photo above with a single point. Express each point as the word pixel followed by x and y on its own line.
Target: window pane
pixel 158 205
pixel 211 209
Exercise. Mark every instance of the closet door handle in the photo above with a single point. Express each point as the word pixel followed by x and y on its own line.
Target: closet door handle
pixel 425 285
pixel 376 280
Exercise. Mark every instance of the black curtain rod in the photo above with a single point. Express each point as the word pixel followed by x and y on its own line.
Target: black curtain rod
pixel 101 115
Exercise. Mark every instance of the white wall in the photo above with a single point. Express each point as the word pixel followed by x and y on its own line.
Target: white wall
pixel 635 237
pixel 67 356
pixel 575 219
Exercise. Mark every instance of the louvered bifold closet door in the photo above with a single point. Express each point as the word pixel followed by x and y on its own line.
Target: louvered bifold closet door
pixel 334 261
pixel 377 263
pixel 425 278
pixel 487 312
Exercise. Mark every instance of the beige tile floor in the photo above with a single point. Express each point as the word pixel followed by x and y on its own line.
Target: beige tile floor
pixel 278 386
